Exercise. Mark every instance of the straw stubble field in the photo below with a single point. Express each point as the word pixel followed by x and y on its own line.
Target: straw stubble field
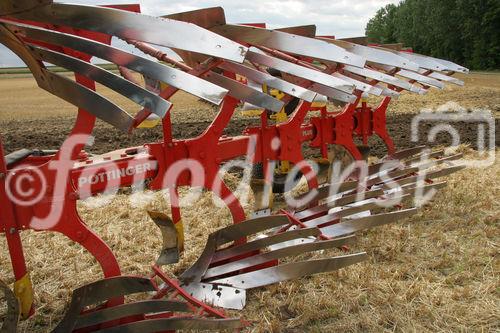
pixel 436 271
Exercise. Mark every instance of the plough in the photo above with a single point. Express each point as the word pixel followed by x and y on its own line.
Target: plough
pixel 226 65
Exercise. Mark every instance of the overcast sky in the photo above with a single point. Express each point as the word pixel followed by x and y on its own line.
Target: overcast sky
pixel 344 18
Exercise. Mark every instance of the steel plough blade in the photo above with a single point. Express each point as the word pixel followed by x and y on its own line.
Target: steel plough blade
pixel 127 25
pixel 245 93
pixel 422 156
pixel 428 176
pixel 87 99
pixel 336 202
pixel 259 259
pixel 99 292
pixel 443 77
pixel 152 315
pixel 379 76
pixel 66 89
pixel 256 263
pixel 423 62
pixel 374 55
pixel 132 91
pixel 360 84
pixel 291 271
pixel 365 223
pixel 172 239
pixel 405 175
pixel 334 94
pixel 261 243
pixel 390 187
pixel 439 64
pixel 218 295
pixel 259 57
pixel 332 189
pixel 403 167
pixel 405 153
pixel 11 319
pixel 345 211
pixel 269 80
pixel 172 76
pixel 388 92
pixel 227 235
pixel 131 309
pixel 289 43
pixel 426 80
pixel 212 262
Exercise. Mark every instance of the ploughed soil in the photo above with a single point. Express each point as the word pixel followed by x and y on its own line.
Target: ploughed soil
pixel 31 118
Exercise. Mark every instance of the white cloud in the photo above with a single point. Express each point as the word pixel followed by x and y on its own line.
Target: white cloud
pixel 343 18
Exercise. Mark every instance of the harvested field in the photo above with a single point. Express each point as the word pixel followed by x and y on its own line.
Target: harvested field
pixel 436 271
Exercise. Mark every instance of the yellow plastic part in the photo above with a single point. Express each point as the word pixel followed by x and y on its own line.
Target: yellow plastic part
pixel 284 166
pixel 251 113
pixel 276 93
pixel 163 85
pixel 318 104
pixel 321 160
pixel 179 227
pixel 280 117
pixel 23 289
pixel 150 122
pixel 264 88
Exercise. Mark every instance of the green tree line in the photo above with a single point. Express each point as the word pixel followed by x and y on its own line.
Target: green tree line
pixel 464 31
